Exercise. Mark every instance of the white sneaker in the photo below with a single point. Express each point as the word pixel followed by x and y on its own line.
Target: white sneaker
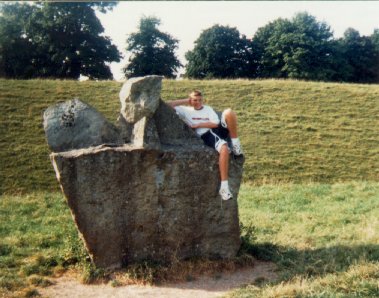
pixel 237 149
pixel 225 194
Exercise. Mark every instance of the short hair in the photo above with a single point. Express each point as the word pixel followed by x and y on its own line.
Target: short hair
pixel 195 93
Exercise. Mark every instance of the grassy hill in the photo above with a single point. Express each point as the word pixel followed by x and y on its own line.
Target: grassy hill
pixel 321 236
pixel 290 130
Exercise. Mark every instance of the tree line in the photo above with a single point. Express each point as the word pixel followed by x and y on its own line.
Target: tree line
pixel 66 40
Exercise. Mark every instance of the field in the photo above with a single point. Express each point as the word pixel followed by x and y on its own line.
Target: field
pixel 309 202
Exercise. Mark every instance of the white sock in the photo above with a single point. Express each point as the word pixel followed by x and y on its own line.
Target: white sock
pixel 235 141
pixel 225 184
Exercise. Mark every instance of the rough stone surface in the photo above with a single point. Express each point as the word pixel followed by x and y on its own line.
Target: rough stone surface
pixel 74 124
pixel 154 197
pixel 139 97
pixel 125 128
pixel 145 134
pixel 172 130
pixel 132 204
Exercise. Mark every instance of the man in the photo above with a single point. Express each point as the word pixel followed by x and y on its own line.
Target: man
pixel 214 132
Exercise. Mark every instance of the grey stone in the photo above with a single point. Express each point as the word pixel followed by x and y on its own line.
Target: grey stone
pixel 133 204
pixel 145 134
pixel 172 130
pixel 139 97
pixel 74 124
pixel 125 128
pixel 154 195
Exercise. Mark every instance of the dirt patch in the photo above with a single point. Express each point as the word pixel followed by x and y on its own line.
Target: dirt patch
pixel 206 286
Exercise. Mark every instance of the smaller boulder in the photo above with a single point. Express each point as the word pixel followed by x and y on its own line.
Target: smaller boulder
pixel 75 125
pixel 139 97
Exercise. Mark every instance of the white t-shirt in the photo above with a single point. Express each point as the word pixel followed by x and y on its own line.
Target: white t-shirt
pixel 191 116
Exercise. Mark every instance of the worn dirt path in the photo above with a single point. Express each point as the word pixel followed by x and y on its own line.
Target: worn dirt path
pixel 202 287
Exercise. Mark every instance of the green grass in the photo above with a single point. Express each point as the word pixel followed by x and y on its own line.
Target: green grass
pixel 290 130
pixel 323 238
pixel 38 239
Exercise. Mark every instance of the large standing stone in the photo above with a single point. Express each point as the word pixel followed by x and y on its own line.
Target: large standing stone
pixel 133 204
pixel 155 197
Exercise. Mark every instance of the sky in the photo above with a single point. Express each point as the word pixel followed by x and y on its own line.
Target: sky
pixel 185 20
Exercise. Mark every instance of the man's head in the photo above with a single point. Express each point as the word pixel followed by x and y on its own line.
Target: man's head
pixel 196 99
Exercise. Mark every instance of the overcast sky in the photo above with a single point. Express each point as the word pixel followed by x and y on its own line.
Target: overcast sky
pixel 185 20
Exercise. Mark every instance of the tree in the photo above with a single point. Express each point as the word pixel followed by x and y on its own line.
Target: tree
pixel 220 52
pixel 16 50
pixel 152 51
pixel 311 56
pixel 361 55
pixel 300 48
pixel 269 50
pixel 58 40
pixel 375 41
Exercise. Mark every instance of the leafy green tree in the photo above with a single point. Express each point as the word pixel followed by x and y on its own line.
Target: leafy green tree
pixel 300 48
pixel 269 48
pixel 58 40
pixel 339 69
pixel 361 55
pixel 152 51
pixel 375 41
pixel 16 49
pixel 220 52
pixel 311 55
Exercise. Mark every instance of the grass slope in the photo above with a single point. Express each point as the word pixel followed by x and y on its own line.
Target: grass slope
pixel 304 131
pixel 323 236
pixel 290 130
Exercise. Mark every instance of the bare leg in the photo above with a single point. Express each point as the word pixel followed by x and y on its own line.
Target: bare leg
pixel 231 121
pixel 224 162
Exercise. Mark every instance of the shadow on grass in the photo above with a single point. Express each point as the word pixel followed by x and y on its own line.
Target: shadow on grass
pixel 286 261
pixel 313 262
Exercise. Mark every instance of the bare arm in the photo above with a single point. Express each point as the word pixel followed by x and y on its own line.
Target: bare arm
pixel 178 102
